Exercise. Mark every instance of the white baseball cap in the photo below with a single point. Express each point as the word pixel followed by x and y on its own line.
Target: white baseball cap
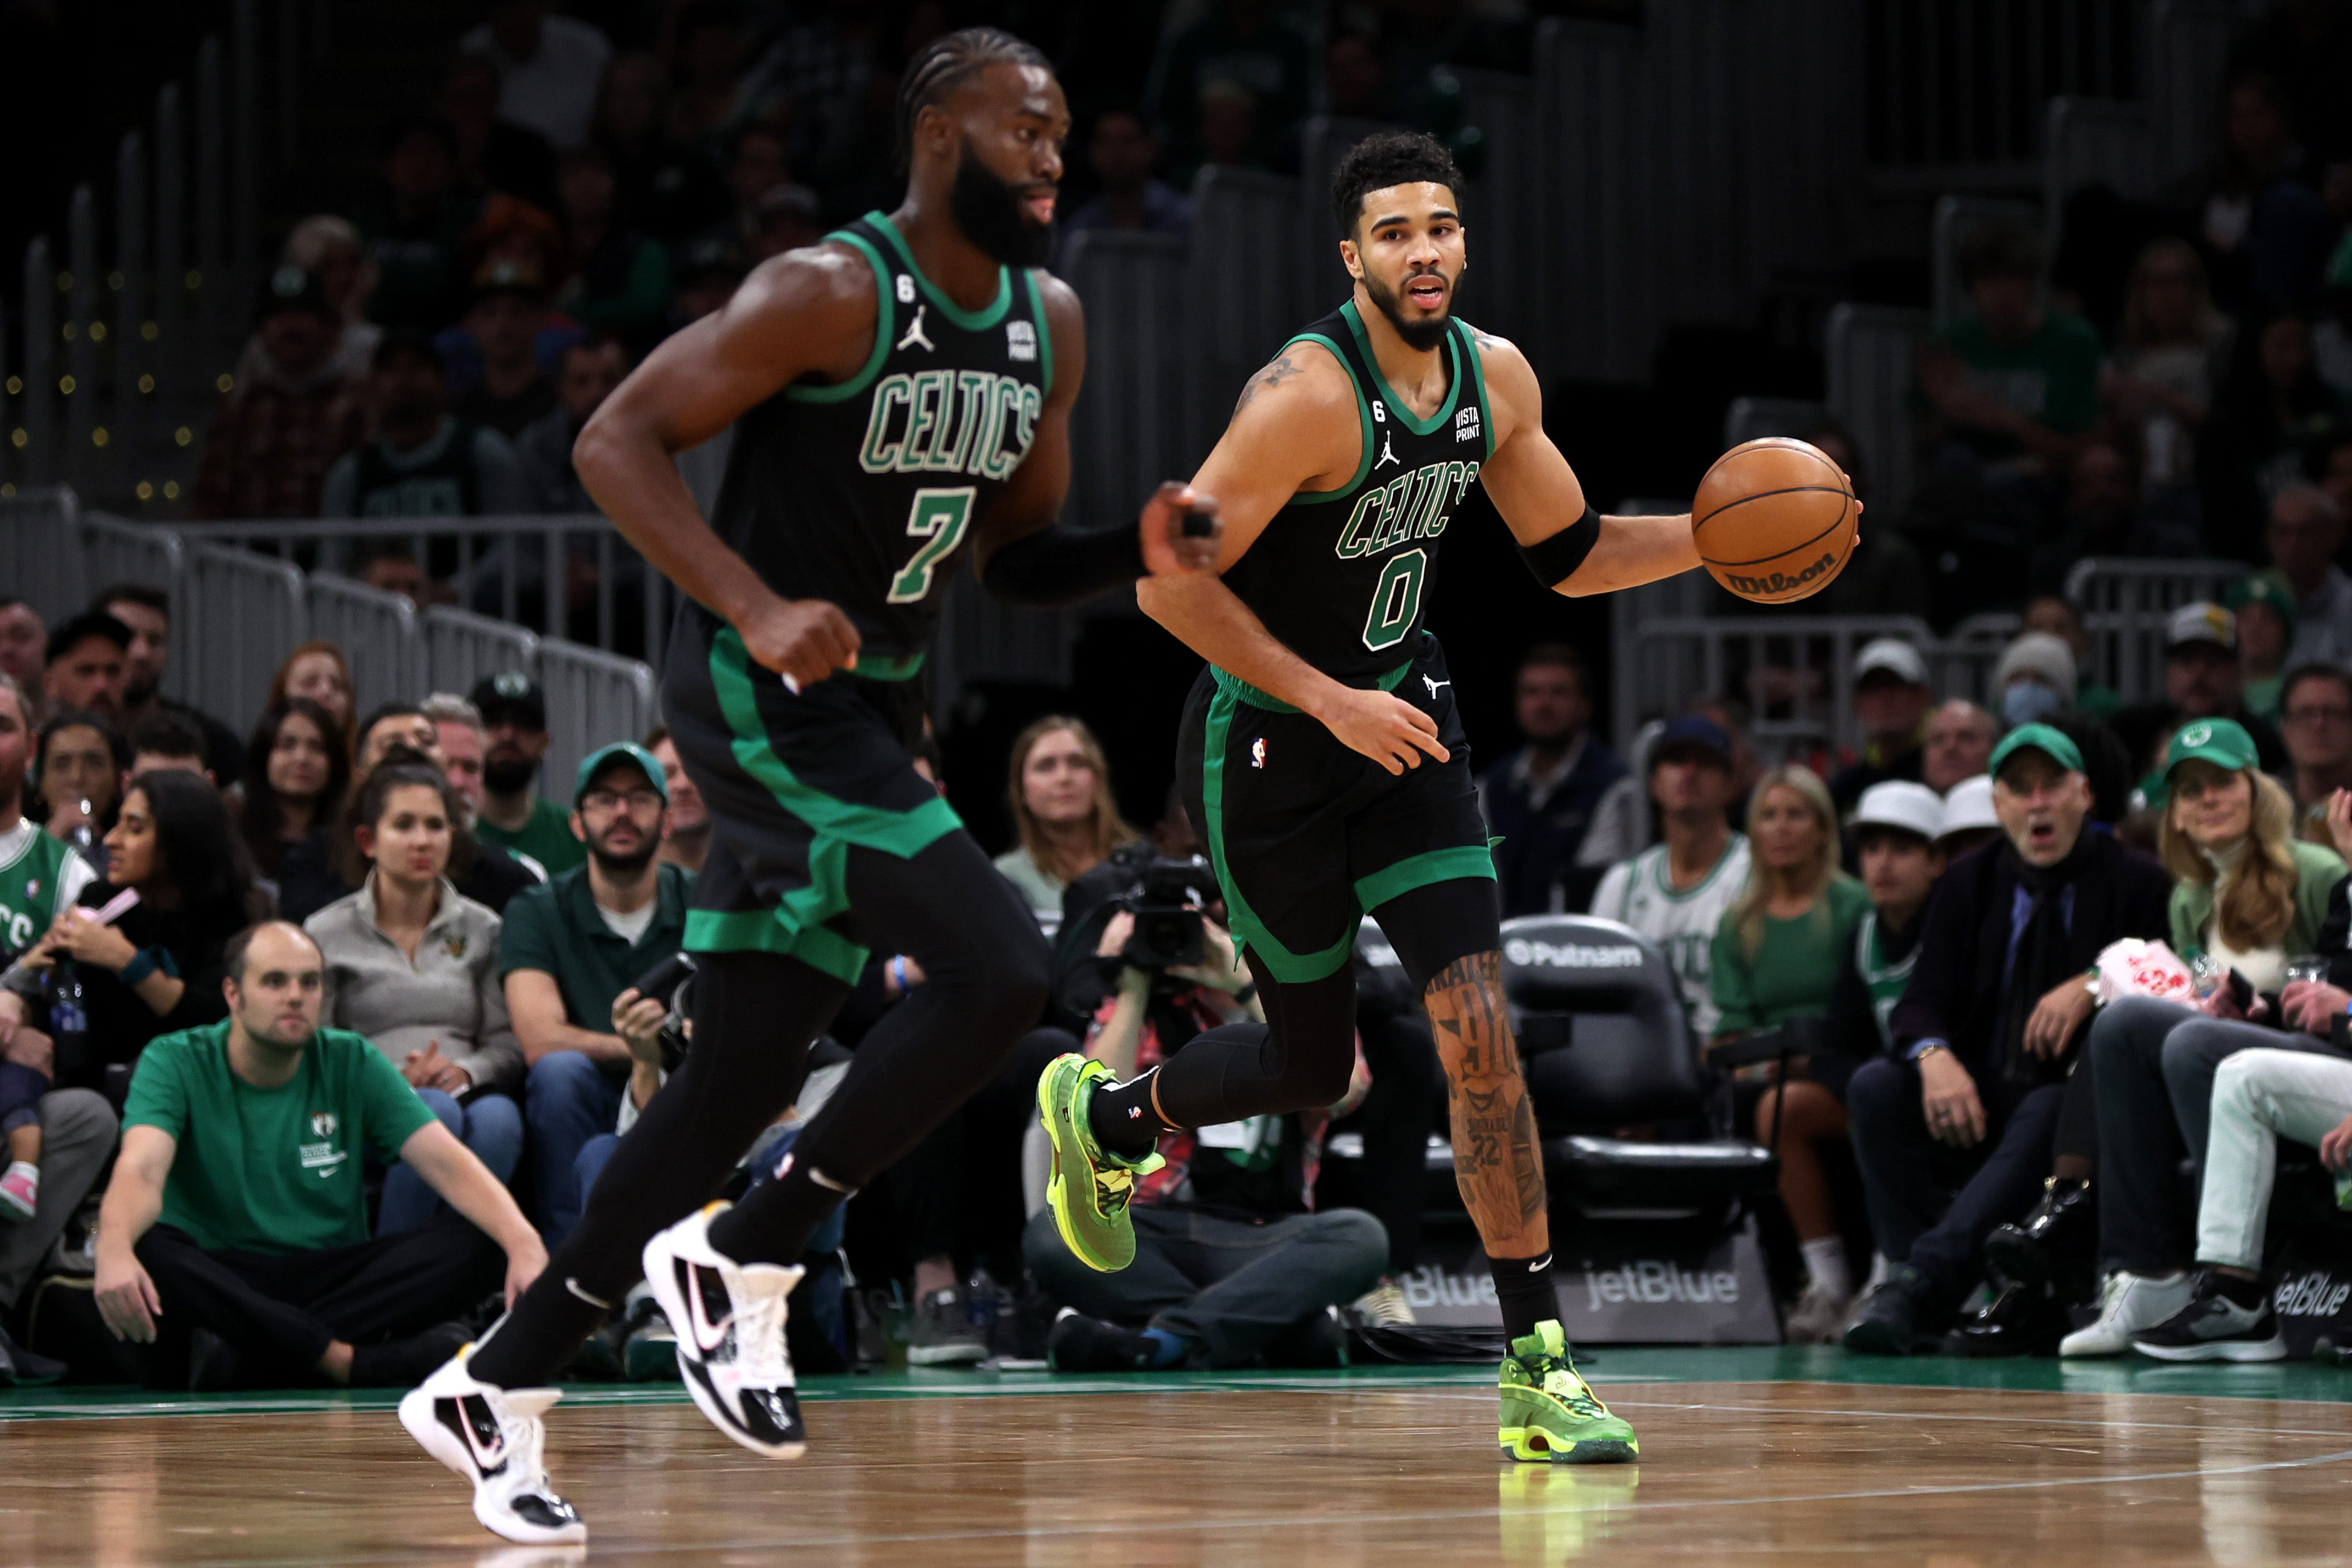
pixel 1898 804
pixel 1893 655
pixel 1968 804
pixel 2201 623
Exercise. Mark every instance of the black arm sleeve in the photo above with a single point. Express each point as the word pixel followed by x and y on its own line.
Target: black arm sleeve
pixel 1063 565
pixel 1555 559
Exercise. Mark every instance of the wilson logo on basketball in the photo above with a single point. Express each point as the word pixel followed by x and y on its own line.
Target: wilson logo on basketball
pixel 1778 582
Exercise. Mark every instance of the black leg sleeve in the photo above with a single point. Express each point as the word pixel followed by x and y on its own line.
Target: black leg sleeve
pixel 985 985
pixel 1301 1057
pixel 754 1015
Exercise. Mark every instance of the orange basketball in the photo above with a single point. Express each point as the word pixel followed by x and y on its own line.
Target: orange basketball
pixel 1774 521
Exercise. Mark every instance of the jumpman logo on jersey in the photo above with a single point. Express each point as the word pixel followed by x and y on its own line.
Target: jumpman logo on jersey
pixel 915 332
pixel 1433 686
pixel 1388 445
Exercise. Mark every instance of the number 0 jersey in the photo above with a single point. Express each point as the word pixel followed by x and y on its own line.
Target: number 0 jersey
pixel 863 493
pixel 1342 577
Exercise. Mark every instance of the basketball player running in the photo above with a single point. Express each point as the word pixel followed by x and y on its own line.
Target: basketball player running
pixel 898 388
pixel 1324 763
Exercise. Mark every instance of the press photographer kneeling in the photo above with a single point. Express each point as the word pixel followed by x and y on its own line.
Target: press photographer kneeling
pixel 1232 1269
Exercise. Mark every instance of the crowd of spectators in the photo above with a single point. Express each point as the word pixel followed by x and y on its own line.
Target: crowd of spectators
pixel 2173 382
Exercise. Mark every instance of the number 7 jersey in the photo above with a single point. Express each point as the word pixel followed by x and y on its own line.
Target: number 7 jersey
pixel 864 493
pixel 1340 577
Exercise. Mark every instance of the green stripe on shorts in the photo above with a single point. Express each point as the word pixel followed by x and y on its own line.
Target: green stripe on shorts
pixel 1459 862
pixel 1234 686
pixel 796 925
pixel 1280 961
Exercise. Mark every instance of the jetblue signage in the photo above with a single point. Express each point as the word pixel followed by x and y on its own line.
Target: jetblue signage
pixel 1619 1283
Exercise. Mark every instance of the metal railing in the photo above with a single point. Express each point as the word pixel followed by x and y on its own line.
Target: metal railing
pixel 1672 647
pixel 236 614
pixel 1954 84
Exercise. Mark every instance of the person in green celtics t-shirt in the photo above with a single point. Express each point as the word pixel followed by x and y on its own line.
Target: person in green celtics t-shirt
pixel 2014 383
pixel 237 1207
pixel 515 816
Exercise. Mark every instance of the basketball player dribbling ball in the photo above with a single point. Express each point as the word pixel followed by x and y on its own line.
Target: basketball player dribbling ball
pixel 899 389
pixel 1324 762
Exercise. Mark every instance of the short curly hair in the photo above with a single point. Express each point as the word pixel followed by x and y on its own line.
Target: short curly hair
pixel 1389 158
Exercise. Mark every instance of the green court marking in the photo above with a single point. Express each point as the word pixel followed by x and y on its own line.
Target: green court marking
pixel 1628 1371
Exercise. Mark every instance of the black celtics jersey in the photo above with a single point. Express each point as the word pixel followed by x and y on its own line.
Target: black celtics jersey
pixel 1340 577
pixel 863 493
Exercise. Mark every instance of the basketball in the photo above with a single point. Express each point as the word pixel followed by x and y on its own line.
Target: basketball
pixel 1774 521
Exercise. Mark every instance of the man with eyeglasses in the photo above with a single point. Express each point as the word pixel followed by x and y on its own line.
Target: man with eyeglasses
pixel 572 946
pixel 2316 721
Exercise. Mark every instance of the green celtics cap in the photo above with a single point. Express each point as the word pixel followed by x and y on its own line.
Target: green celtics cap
pixel 624 750
pixel 2223 742
pixel 2051 743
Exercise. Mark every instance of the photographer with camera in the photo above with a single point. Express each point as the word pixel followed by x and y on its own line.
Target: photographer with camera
pixel 1231 1266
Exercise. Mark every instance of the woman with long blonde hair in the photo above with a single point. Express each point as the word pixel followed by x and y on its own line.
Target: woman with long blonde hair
pixel 1063 811
pixel 1776 953
pixel 2246 891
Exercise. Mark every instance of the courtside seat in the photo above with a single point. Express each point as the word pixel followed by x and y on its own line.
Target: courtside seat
pixel 1606 1048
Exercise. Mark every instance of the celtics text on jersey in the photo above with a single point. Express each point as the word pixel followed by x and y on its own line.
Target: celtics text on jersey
pixel 864 492
pixel 1342 577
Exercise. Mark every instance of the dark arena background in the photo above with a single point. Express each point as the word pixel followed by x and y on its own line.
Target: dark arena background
pixel 1931 992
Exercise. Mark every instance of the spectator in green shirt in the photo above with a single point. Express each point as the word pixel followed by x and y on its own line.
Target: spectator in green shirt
pixel 1778 949
pixel 567 949
pixel 515 816
pixel 236 1207
pixel 2015 383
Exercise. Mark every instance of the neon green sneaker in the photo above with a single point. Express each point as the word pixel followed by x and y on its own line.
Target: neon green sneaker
pixel 1550 1415
pixel 1091 1185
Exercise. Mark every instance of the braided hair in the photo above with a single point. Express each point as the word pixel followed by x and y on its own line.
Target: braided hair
pixel 945 64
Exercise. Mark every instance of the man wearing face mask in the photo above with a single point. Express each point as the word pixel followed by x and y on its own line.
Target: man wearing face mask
pixel 2035 679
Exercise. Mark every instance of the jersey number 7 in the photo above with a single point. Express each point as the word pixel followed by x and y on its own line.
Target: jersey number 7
pixel 939 518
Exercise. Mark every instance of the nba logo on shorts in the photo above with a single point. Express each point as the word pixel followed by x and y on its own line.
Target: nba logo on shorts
pixel 1258 752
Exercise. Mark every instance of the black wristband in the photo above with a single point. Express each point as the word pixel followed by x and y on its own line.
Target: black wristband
pixel 1555 559
pixel 1062 565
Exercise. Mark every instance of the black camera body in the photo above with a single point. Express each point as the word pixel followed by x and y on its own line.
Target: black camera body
pixel 669 982
pixel 1166 903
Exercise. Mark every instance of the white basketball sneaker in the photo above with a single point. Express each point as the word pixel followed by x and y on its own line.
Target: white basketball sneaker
pixel 729 1322
pixel 493 1436
pixel 2129 1305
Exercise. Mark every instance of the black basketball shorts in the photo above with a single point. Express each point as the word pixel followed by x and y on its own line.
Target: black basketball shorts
pixel 1308 835
pixel 794 780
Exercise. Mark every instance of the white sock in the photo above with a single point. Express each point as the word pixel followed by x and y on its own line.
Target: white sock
pixel 1825 1264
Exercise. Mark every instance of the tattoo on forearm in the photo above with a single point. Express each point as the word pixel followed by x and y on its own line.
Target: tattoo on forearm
pixel 1497 1160
pixel 1282 369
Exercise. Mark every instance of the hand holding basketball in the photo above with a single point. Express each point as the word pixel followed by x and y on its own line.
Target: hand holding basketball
pixel 1775 520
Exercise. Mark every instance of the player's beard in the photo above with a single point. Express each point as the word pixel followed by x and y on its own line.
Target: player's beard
pixel 1424 334
pixel 989 212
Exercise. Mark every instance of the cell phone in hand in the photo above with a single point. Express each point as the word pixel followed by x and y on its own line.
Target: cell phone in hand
pixel 2242 992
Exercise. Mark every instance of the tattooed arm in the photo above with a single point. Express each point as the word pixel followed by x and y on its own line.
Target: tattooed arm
pixel 1295 429
pixel 1497 1157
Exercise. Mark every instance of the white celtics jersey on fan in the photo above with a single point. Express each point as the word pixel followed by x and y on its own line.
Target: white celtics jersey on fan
pixel 1682 923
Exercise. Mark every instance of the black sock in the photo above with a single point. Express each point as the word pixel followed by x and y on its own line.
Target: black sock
pixel 2240 1293
pixel 1122 1118
pixel 774 1221
pixel 529 1346
pixel 1523 1289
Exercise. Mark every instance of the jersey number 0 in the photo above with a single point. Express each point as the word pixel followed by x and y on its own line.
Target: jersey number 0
pixel 1396 599
pixel 939 517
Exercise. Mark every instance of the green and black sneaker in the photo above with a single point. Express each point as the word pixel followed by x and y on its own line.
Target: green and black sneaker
pixel 1091 1185
pixel 1550 1414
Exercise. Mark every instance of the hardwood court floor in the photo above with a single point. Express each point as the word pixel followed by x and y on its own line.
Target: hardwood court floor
pixel 1805 1456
